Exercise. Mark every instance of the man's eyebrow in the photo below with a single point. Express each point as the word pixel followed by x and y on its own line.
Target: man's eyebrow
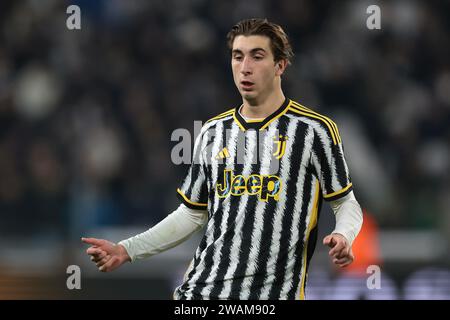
pixel 257 49
pixel 253 51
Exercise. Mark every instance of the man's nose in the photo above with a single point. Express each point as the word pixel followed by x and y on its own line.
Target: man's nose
pixel 246 67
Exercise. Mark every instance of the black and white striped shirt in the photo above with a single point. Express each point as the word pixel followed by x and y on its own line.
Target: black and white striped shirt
pixel 262 183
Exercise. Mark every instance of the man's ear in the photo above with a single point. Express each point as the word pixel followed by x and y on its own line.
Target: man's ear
pixel 280 67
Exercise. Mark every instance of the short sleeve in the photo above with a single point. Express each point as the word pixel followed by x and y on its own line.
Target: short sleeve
pixel 329 162
pixel 193 191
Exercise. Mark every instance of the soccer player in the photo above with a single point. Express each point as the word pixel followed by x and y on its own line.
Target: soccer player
pixel 259 175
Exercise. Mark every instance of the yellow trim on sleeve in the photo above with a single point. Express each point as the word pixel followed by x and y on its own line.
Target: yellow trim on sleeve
pixel 189 201
pixel 311 225
pixel 337 192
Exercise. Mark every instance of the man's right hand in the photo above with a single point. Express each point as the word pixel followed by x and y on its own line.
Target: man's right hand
pixel 106 255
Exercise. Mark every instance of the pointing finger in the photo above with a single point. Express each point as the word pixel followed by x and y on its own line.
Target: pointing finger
pixel 93 241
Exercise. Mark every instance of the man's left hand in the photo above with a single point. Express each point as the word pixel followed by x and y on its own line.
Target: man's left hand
pixel 341 250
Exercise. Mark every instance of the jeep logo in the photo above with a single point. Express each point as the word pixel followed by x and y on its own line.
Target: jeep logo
pixel 263 185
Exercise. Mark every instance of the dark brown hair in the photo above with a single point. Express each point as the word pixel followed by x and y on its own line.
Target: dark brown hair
pixel 279 42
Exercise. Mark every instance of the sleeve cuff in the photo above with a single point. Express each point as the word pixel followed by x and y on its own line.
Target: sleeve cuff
pixel 126 245
pixel 339 194
pixel 191 204
pixel 346 235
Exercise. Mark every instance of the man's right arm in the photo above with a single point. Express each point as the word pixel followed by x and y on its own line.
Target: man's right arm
pixel 176 228
pixel 173 230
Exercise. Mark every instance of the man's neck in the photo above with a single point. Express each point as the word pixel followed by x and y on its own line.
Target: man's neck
pixel 262 109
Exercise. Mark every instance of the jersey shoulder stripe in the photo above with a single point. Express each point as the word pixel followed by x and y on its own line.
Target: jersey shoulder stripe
pixel 297 108
pixel 331 122
pixel 222 115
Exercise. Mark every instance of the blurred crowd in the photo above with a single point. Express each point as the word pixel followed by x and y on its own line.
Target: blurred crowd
pixel 86 115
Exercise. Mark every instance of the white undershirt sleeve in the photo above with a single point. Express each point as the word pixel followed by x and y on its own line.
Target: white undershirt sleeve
pixel 176 228
pixel 349 216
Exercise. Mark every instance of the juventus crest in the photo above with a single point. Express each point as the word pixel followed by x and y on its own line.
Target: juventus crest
pixel 280 142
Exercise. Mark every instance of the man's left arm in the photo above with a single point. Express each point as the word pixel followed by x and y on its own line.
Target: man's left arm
pixel 349 220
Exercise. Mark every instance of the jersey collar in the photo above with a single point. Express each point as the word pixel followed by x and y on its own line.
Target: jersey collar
pixel 260 125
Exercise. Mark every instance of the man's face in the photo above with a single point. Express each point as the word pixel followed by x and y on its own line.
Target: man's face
pixel 254 68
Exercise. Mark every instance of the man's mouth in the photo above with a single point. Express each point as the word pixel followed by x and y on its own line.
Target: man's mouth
pixel 246 85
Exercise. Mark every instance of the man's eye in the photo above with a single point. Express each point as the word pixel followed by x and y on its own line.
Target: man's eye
pixel 238 58
pixel 258 57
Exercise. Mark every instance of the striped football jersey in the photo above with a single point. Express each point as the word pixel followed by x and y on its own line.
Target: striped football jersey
pixel 262 183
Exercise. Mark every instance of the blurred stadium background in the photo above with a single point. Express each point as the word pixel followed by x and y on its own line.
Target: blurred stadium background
pixel 86 118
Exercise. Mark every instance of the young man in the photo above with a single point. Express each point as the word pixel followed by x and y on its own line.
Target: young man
pixel 257 182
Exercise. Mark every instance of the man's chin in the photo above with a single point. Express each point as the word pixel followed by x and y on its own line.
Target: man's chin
pixel 248 95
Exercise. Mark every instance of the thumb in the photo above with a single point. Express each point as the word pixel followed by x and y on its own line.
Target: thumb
pixel 329 241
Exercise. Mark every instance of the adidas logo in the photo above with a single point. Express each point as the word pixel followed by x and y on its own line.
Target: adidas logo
pixel 223 154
